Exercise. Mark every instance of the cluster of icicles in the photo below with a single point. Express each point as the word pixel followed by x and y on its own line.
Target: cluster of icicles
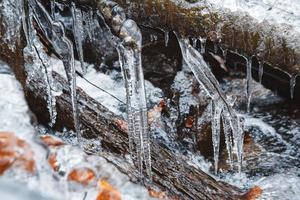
pixel 129 47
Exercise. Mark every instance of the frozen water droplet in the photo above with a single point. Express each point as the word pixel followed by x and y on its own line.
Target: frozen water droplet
pixel 166 38
pixel 292 85
pixel 260 71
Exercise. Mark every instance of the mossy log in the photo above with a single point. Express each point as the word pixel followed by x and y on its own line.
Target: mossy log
pixel 276 46
pixel 238 31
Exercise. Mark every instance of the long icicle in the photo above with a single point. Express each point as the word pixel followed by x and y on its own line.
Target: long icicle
pixel 30 35
pixel 130 59
pixel 216 130
pixel 260 71
pixel 249 85
pixel 52 5
pixel 78 34
pixel 228 136
pixel 63 47
pixel 209 83
pixel 292 85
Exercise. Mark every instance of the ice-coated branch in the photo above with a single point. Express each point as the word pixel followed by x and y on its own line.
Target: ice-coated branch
pixel 55 33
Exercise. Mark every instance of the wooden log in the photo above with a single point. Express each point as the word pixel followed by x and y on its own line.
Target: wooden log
pixel 171 173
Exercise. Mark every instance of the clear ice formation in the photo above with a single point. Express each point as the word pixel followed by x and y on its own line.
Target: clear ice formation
pixel 55 33
pixel 292 85
pixel 130 60
pixel 41 64
pixel 33 47
pixel 194 42
pixel 220 107
pixel 166 38
pixel 249 85
pixel 64 47
pixel 203 45
pixel 260 71
pixel 87 17
pixel 78 33
pixel 52 5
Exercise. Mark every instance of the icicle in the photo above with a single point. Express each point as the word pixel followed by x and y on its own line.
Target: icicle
pixel 224 53
pixel 51 96
pixel 292 85
pixel 215 48
pixel 78 34
pixel 240 142
pixel 87 18
pixel 27 23
pixel 63 46
pixel 209 83
pixel 166 38
pixel 42 18
pixel 194 42
pixel 34 47
pixel 260 71
pixel 52 4
pixel 216 129
pixel 153 37
pixel 249 84
pixel 203 45
pixel 130 60
pixel 91 22
pixel 228 135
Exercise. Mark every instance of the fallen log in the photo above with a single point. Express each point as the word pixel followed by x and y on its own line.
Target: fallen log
pixel 171 172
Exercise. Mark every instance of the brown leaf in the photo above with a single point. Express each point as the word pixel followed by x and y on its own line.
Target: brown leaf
pixel 51 141
pixel 82 176
pixel 15 152
pixel 253 193
pixel 107 192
